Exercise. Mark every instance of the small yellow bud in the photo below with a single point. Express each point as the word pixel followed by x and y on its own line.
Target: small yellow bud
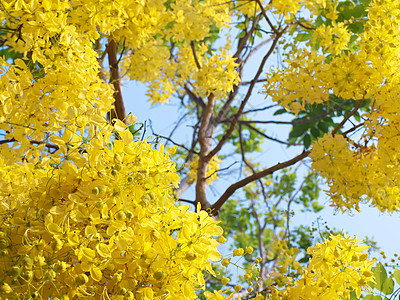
pixel 224 280
pixel 5 288
pixel 159 275
pixel 221 240
pixel 225 262
pixel 238 252
pixel 238 288
pixel 249 250
pixel 81 279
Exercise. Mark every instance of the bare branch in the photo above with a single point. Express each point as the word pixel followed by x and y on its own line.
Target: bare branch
pixel 187 201
pixel 246 98
pixel 337 128
pixel 197 100
pixel 195 55
pixel 183 186
pixel 234 187
pixel 204 138
pixel 33 142
pixel 256 48
pixel 260 109
pixel 266 17
pixel 271 138
pixel 243 40
pixel 249 82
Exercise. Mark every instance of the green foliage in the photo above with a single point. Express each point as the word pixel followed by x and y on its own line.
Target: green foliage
pixel 318 119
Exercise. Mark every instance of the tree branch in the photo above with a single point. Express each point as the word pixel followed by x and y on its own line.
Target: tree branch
pixel 193 97
pixel 234 187
pixel 337 128
pixel 204 138
pixel 243 40
pixel 119 111
pixel 195 55
pixel 246 98
pixel 266 18
pixel 48 145
pixel 271 138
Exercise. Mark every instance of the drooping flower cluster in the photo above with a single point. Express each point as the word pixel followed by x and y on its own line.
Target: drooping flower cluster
pixel 337 267
pixel 366 168
pixel 85 210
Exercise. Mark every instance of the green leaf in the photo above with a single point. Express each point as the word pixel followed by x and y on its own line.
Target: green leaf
pixel 280 111
pixel 319 21
pixel 307 141
pixel 388 285
pixel 380 275
pixel 372 297
pixel 241 25
pixel 241 34
pixel 359 11
pixel 315 132
pixel 298 130
pixel 396 275
pixel 356 27
pixel 353 296
pixel 303 36
pixel 324 127
pixel 353 38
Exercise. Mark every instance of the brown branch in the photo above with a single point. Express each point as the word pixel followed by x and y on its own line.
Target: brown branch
pixel 249 82
pixel 352 129
pixel 224 110
pixel 337 128
pixel 243 40
pixel 304 26
pixel 269 137
pixel 119 107
pixel 183 186
pixel 33 142
pixel 260 109
pixel 187 201
pixel 256 48
pixel 204 138
pixel 193 97
pixel 195 55
pixel 246 98
pixel 266 18
pixel 215 208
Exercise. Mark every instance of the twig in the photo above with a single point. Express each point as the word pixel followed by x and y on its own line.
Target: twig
pixel 260 109
pixel 33 142
pixel 195 55
pixel 337 128
pixel 230 190
pixel 187 201
pixel 266 18
pixel 246 98
pixel 249 82
pixel 271 138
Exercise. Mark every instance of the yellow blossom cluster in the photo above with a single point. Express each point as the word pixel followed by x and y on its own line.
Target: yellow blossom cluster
pixel 212 171
pixel 85 210
pixel 285 8
pixel 98 218
pixel 167 66
pixel 366 168
pixel 337 267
